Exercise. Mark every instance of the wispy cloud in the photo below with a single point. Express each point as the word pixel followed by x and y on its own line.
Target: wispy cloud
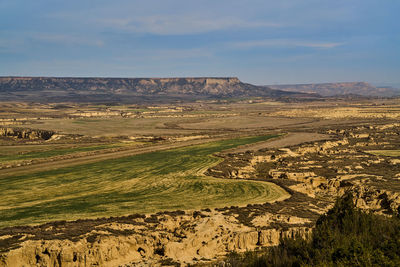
pixel 286 43
pixel 11 45
pixel 170 25
pixel 165 54
pixel 6 45
pixel 67 39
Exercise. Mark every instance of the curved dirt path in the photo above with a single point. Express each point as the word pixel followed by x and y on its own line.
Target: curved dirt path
pixel 290 139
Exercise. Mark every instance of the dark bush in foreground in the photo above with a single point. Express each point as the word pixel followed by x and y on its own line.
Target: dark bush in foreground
pixel 345 236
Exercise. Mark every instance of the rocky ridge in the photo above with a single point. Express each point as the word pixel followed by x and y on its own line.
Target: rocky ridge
pixel 128 89
pixel 184 238
pixel 339 89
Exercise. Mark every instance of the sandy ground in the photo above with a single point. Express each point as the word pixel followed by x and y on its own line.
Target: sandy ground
pixel 245 122
pixel 289 139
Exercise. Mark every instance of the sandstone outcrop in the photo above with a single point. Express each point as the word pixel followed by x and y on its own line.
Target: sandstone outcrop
pixel 184 238
pixel 26 133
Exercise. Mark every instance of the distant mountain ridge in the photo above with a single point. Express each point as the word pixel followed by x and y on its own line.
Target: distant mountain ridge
pixel 123 89
pixel 339 89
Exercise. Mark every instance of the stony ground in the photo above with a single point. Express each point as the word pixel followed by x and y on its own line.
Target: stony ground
pixel 354 154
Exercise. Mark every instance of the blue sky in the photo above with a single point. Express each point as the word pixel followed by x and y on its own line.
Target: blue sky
pixel 259 41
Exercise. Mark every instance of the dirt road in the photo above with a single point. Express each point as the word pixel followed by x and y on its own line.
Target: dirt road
pixel 289 139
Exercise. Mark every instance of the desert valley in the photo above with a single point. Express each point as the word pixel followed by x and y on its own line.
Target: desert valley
pixel 105 172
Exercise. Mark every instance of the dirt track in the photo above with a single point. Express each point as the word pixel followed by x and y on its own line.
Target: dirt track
pixel 289 139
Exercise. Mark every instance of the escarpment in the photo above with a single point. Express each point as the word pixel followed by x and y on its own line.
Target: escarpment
pixel 129 89
pixel 118 85
pixel 335 89
pixel 178 237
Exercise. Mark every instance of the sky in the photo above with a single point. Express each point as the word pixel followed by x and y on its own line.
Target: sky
pixel 258 41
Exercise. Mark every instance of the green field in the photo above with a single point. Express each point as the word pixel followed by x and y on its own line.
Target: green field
pixel 146 183
pixel 26 153
pixel 388 153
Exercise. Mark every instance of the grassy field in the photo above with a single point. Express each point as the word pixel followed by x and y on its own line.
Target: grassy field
pixel 110 126
pixel 34 152
pixel 241 122
pixel 203 121
pixel 146 183
pixel 388 153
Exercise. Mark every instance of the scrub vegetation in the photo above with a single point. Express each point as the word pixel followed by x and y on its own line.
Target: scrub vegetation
pixel 345 236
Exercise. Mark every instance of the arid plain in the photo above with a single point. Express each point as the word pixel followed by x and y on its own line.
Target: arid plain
pixel 185 183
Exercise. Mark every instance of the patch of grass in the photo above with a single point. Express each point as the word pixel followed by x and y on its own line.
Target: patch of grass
pixel 146 183
pixel 84 121
pixel 388 153
pixel 138 110
pixel 10 156
pixel 115 126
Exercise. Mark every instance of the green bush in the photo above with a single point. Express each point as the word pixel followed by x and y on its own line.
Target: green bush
pixel 345 236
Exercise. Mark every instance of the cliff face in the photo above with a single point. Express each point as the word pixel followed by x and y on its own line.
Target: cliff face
pixel 338 89
pixel 89 89
pixel 184 238
pixel 138 85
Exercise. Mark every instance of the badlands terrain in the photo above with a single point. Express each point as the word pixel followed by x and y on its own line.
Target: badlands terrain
pixel 151 184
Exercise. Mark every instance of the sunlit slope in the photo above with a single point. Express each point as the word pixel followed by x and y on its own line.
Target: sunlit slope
pixel 146 183
pixel 388 153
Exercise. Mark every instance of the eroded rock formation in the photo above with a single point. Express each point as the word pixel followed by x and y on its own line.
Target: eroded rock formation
pixel 315 174
pixel 183 237
pixel 26 133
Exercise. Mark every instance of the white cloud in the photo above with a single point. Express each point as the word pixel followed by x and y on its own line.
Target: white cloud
pixel 11 45
pixel 287 43
pixel 169 25
pixel 67 39
pixel 164 54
